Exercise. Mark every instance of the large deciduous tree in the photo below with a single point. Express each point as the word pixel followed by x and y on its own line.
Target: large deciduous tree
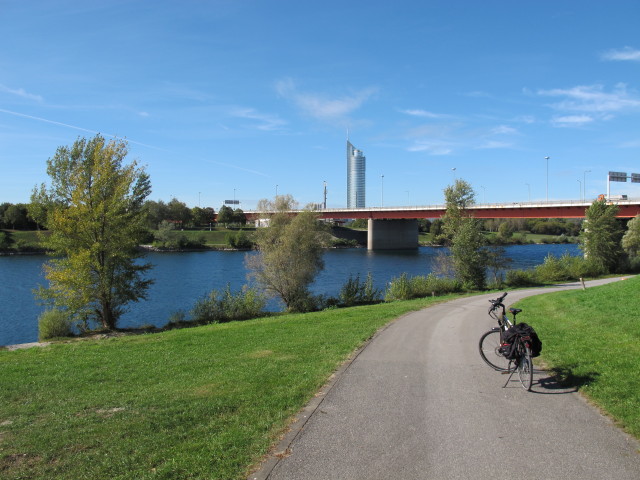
pixel 96 220
pixel 464 234
pixel 601 235
pixel 289 252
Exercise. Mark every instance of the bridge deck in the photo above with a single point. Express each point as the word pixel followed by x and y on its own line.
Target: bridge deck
pixel 561 209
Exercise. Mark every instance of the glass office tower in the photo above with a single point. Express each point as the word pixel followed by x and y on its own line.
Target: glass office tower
pixel 356 167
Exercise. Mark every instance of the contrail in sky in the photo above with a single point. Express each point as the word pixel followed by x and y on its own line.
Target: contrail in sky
pixel 53 122
pixel 31 117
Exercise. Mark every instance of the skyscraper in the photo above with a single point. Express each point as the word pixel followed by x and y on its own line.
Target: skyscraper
pixel 356 168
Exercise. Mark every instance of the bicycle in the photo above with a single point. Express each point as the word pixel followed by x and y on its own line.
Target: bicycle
pixel 498 354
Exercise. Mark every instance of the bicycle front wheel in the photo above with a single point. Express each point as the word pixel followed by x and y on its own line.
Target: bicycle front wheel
pixel 489 346
pixel 525 368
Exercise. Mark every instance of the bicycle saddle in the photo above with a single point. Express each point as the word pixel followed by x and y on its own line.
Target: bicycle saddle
pixel 515 311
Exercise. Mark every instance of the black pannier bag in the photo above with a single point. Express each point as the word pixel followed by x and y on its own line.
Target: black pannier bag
pixel 518 331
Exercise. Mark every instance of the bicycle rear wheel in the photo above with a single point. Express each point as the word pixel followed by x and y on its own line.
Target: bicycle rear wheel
pixel 525 368
pixel 489 346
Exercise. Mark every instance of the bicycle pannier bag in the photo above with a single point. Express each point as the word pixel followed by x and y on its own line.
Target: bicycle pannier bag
pixel 516 332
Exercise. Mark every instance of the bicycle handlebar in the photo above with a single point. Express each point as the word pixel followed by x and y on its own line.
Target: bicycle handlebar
pixel 497 302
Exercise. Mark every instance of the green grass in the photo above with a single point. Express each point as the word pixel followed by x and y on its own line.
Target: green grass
pixel 592 339
pixel 25 240
pixel 217 237
pixel 203 402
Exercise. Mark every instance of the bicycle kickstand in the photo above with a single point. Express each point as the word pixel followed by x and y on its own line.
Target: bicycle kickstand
pixel 511 372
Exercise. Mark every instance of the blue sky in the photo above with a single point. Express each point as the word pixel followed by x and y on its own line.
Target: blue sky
pixel 243 97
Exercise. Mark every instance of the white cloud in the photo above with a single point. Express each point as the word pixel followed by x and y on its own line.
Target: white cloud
pixel 321 107
pixel 20 92
pixel 594 99
pixel 424 113
pixel 265 121
pixel 431 147
pixel 572 120
pixel 625 54
pixel 504 130
pixel 494 144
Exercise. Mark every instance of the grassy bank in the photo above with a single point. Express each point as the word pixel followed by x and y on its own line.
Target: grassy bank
pixel 592 338
pixel 203 402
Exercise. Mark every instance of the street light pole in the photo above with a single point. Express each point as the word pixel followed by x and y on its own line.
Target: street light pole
pixel 382 190
pixel 547 159
pixel 580 189
pixel 529 188
pixel 484 194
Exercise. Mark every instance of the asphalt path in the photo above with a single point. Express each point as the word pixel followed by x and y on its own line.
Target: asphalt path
pixel 419 403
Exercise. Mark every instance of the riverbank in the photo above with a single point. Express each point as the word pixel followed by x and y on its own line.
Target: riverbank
pixel 182 278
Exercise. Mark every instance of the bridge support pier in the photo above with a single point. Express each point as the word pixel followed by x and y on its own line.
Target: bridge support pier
pixel 392 234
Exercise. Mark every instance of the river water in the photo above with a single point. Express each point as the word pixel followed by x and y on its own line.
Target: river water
pixel 182 278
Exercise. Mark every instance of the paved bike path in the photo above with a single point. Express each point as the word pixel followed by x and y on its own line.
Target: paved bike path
pixel 418 403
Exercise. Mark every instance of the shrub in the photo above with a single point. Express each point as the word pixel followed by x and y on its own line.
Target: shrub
pixel 406 288
pixel 5 240
pixel 567 267
pixel 520 278
pixel 399 289
pixel 239 240
pixel 355 292
pixel 225 306
pixel 54 323
pixel 552 269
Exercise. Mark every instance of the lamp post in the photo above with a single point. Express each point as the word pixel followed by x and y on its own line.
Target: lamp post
pixel 276 192
pixel 484 194
pixel 408 197
pixel 584 184
pixel 324 202
pixel 529 188
pixel 382 190
pixel 580 182
pixel 547 159
pixel 198 199
pixel 454 174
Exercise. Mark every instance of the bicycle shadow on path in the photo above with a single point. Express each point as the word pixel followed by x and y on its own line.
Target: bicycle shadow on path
pixel 561 381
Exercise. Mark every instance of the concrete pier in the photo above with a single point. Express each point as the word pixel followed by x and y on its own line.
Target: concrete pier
pixel 392 234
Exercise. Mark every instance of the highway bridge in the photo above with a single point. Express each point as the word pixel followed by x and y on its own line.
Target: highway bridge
pixel 396 227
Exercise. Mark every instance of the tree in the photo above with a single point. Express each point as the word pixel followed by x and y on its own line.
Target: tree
pixel 202 216
pixel 505 231
pixel 96 221
pixel 464 234
pixel 239 217
pixel 631 239
pixel 15 215
pixel 156 212
pixel 601 235
pixel 424 225
pixel 225 215
pixel 289 253
pixel 178 212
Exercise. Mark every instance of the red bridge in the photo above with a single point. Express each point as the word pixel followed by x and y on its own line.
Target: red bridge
pixel 396 227
pixel 560 209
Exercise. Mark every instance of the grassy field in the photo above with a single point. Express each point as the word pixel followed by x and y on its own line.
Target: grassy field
pixel 203 402
pixel 592 339
pixel 217 237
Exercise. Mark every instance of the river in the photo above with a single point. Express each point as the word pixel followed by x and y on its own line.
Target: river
pixel 181 278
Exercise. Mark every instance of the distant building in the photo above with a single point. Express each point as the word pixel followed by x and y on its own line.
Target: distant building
pixel 356 169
